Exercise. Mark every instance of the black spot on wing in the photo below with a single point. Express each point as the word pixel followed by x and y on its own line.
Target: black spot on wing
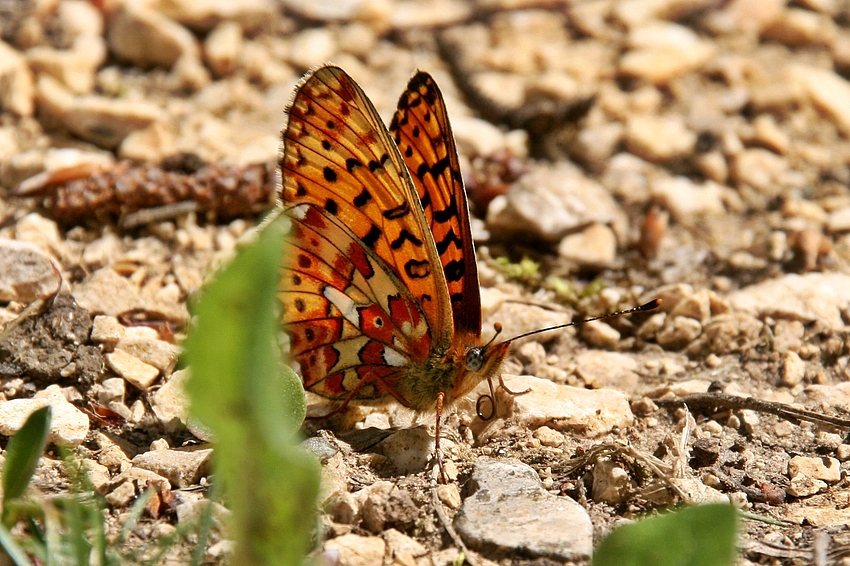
pixel 447 213
pixel 361 199
pixel 447 240
pixel 417 269
pixel 422 170
pixel 372 237
pixel 329 175
pixel 403 237
pixel 454 270
pixel 397 212
pixel 440 166
pixel 351 164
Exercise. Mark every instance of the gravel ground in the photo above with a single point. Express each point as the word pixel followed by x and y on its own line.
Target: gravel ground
pixel 613 151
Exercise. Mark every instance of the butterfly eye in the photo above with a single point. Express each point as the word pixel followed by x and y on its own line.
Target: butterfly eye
pixel 474 359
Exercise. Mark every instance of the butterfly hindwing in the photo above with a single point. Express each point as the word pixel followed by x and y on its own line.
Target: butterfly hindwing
pixel 353 326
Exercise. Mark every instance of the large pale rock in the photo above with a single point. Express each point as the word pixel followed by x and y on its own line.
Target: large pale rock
pixel 552 200
pixel 68 426
pixel 510 511
pixel 809 297
pixel 565 408
pixel 147 38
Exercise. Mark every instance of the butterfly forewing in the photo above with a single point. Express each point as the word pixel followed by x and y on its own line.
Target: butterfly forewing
pixel 338 155
pixel 421 129
pixel 364 297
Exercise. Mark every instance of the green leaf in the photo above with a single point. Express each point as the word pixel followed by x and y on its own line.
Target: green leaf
pixel 23 452
pixel 254 404
pixel 704 535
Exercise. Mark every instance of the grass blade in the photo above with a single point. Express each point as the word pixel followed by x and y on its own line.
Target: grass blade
pixel 23 452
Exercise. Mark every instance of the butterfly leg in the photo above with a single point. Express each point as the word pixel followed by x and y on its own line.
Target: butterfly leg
pixel 509 392
pixel 439 455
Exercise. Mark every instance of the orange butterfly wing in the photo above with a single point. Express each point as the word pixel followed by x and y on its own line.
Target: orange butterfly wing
pixel 361 301
pixel 424 137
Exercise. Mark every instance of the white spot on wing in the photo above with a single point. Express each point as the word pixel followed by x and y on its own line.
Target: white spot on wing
pixel 343 302
pixel 393 358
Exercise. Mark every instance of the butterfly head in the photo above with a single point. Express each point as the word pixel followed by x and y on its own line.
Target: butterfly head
pixel 480 363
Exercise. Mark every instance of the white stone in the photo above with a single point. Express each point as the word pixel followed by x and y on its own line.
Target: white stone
pixel 566 408
pixel 822 468
pixel 808 297
pixel 357 550
pixel 839 220
pixel 611 370
pixel 661 51
pixel 658 138
pixel 550 201
pixel 206 14
pixel 16 82
pixel 79 18
pixel 312 47
pixel 678 332
pixel 26 273
pixel 182 467
pixel 170 403
pixel 223 47
pixel 409 449
pixel 793 369
pixel 131 368
pixel 106 329
pixel 600 334
pixel 687 200
pixel 595 246
pixel 68 427
pixel 829 92
pixel 549 437
pixel 147 38
pixel 151 350
pixel 40 231
pixel 106 292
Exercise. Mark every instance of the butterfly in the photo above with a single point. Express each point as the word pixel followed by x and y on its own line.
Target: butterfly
pixel 379 284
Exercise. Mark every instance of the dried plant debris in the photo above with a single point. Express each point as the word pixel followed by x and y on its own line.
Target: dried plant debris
pixel 128 193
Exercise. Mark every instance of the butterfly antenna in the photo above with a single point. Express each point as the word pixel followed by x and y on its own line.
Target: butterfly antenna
pixel 651 305
pixel 498 328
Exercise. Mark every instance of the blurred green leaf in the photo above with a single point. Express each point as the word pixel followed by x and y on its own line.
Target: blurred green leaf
pixel 254 404
pixel 704 535
pixel 23 452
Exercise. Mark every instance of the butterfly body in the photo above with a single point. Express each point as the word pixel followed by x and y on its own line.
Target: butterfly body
pixel 379 286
